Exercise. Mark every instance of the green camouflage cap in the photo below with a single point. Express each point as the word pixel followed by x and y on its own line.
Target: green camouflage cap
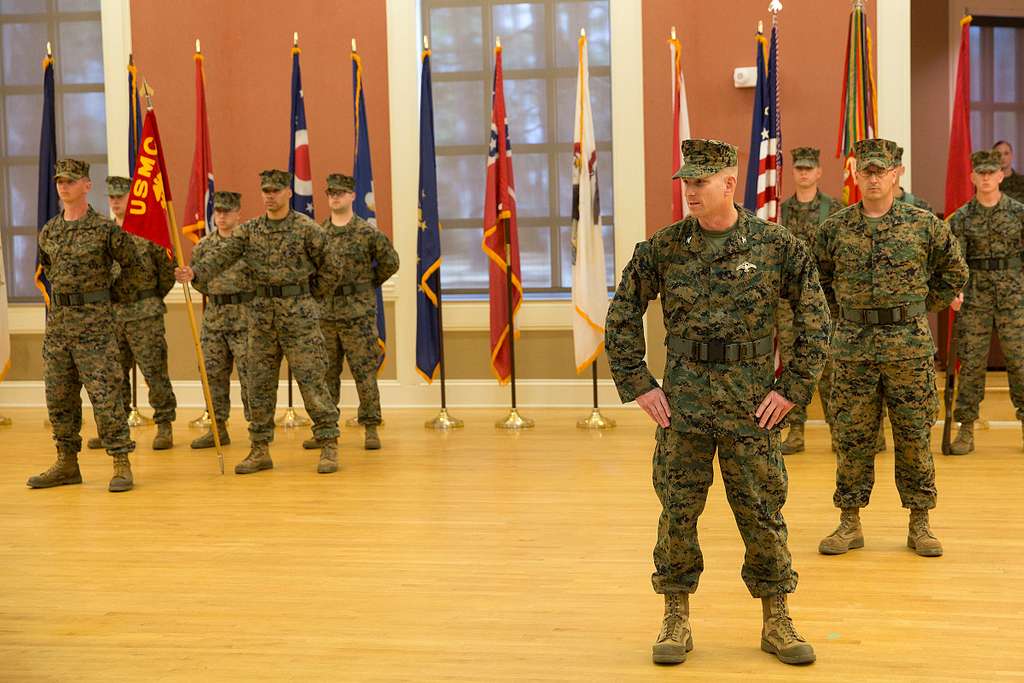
pixel 876 152
pixel 118 186
pixel 72 169
pixel 703 158
pixel 275 179
pixel 806 157
pixel 986 161
pixel 337 182
pixel 899 156
pixel 227 201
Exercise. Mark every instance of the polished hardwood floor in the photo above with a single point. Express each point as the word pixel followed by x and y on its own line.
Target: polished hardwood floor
pixel 479 556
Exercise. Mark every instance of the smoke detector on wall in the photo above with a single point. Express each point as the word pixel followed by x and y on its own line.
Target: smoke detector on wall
pixel 744 76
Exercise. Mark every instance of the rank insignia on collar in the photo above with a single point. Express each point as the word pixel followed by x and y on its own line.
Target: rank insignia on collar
pixel 746 267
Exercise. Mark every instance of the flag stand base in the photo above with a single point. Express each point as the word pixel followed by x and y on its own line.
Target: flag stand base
pixel 137 419
pixel 201 421
pixel 596 421
pixel 292 419
pixel 444 421
pixel 353 422
pixel 514 421
pixel 5 421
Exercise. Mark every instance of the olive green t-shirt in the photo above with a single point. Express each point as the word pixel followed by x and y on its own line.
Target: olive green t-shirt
pixel 716 239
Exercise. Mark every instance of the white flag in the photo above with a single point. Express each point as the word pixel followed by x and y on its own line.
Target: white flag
pixel 589 291
pixel 5 325
pixel 680 126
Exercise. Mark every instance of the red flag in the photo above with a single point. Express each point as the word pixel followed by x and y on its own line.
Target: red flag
pixel 959 188
pixel 499 216
pixel 150 191
pixel 199 203
pixel 858 116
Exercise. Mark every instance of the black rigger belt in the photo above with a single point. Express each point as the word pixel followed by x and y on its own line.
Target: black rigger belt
pixel 345 290
pixel 885 316
pixel 1003 263
pixel 238 298
pixel 81 298
pixel 717 351
pixel 282 291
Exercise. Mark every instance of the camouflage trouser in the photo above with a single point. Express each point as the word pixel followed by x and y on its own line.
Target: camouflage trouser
pixel 143 342
pixel 974 332
pixel 88 356
pixel 755 484
pixel 784 320
pixel 355 339
pixel 289 328
pixel 859 389
pixel 221 348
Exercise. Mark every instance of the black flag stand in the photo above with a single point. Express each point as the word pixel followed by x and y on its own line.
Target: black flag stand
pixel 291 418
pixel 513 420
pixel 596 420
pixel 443 421
pixel 135 418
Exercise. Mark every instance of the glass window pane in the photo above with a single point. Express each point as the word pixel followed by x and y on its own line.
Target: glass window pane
pixel 521 28
pixel 456 39
pixel 464 266
pixel 85 125
pixel 23 6
pixel 81 47
pixel 1004 51
pixel 1004 127
pixel 570 17
pixel 535 256
pixel 98 193
pixel 527 108
pixel 600 105
pixel 459 116
pixel 604 183
pixel 21 274
pixel 977 64
pixel 565 252
pixel 977 135
pixel 22 185
pixel 24 46
pixel 460 185
pixel 23 114
pixel 78 5
pixel 531 174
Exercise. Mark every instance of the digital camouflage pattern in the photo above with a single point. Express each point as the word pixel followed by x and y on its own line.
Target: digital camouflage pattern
pixel 227 201
pixel 755 483
pixel 992 299
pixel 702 158
pixel 275 179
pixel 118 186
pixel 357 255
pixel 339 182
pixel 72 169
pixel 225 331
pixel 914 200
pixel 912 257
pixel 1013 186
pixel 806 157
pixel 803 219
pixel 79 345
pixel 278 253
pixel 877 152
pixel 986 161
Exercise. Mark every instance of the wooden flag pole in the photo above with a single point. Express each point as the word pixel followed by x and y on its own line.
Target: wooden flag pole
pixel 172 227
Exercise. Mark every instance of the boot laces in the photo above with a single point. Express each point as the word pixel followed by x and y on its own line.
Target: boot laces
pixel 671 628
pixel 783 620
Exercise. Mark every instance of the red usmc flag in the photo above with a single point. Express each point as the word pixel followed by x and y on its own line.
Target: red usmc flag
pixel 147 200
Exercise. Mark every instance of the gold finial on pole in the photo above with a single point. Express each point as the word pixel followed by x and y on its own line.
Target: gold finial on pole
pixel 583 33
pixel 354 45
pixel 295 39
pixel 198 50
pixel 148 93
pixel 775 6
pixel 760 27
pixel 673 33
pixel 49 49
pixel 426 43
pixel 497 42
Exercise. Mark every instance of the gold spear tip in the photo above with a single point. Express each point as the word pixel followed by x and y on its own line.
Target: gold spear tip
pixel 198 50
pixel 354 45
pixel 583 33
pixel 295 39
pixel 673 33
pixel 426 43
pixel 760 27
pixel 49 49
pixel 497 41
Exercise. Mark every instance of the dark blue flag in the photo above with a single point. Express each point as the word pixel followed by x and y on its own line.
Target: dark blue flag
pixel 364 205
pixel 134 115
pixel 428 241
pixel 46 204
pixel 298 153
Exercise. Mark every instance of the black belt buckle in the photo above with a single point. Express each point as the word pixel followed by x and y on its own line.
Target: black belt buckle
pixel 713 351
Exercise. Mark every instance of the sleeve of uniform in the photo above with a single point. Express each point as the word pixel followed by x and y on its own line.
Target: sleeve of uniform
pixel 316 242
pixel 811 325
pixel 624 329
pixel 122 247
pixel 958 226
pixel 215 258
pixel 197 283
pixel 826 266
pixel 386 257
pixel 946 266
pixel 164 269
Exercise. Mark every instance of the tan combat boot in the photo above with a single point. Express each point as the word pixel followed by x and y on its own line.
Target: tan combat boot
pixel 779 636
pixel 794 442
pixel 964 442
pixel 206 440
pixel 258 459
pixel 122 479
pixel 328 458
pixel 920 538
pixel 94 444
pixel 311 444
pixel 371 440
pixel 675 639
pixel 164 439
pixel 63 471
pixel 847 536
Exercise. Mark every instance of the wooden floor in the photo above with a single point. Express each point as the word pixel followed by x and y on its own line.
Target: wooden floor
pixel 478 556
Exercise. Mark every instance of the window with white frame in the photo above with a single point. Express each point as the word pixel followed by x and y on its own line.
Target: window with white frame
pixel 73 29
pixel 997 82
pixel 539 61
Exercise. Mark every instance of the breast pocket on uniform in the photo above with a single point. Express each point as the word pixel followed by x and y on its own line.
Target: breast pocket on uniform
pixel 682 289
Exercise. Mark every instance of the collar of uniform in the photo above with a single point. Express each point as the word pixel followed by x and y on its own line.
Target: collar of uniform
pixel 889 220
pixel 284 224
pixel 738 242
pixel 352 223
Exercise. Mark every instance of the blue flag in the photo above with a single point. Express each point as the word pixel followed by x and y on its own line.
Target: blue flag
pixel 134 115
pixel 364 205
pixel 428 241
pixel 761 194
pixel 46 204
pixel 298 153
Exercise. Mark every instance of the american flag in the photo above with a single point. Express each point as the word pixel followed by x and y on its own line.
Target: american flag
pixel 763 186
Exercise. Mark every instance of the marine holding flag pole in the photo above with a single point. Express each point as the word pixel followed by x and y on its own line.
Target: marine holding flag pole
pixel 150 215
pixel 429 322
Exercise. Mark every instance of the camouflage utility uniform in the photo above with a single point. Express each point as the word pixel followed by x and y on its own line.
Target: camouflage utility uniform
pixel 1013 186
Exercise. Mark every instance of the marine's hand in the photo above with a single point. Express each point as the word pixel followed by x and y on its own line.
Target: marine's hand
pixel 957 302
pixel 655 404
pixel 184 274
pixel 773 408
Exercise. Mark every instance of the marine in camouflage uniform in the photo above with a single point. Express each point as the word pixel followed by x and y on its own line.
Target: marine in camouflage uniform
pixel 282 255
pixel 77 249
pixel 719 292
pixel 883 274
pixel 904 196
pixel 1013 182
pixel 990 229
pixel 225 332
pixel 138 294
pixel 359 259
pixel 802 218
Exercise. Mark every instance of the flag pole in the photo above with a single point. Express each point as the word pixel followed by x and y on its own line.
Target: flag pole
pixel 136 418
pixel 172 226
